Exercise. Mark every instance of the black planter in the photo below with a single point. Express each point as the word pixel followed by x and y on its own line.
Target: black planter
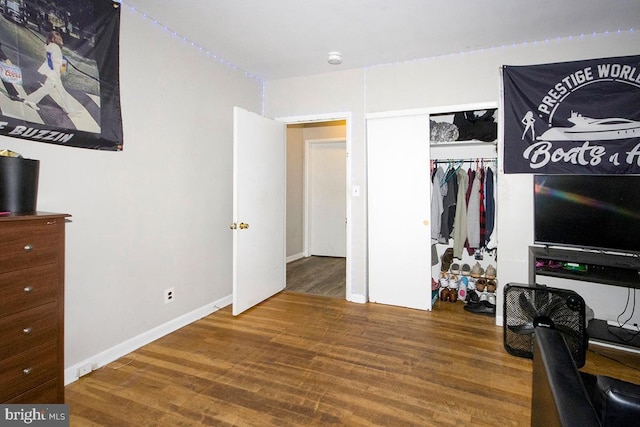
pixel 18 184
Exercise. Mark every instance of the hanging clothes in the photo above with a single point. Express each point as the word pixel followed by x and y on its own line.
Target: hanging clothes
pixel 473 214
pixel 467 213
pixel 448 205
pixel 490 204
pixel 437 207
pixel 471 174
pixel 483 219
pixel 460 221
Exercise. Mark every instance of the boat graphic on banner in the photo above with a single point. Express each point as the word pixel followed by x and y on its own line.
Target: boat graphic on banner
pixel 580 117
pixel 588 129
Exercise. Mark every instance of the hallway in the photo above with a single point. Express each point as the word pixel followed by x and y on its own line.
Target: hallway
pixel 318 275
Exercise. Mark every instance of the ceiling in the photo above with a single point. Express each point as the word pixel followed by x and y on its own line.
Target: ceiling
pixel 275 39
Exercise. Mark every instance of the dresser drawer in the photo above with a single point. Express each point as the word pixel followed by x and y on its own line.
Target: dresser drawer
pixel 24 289
pixel 21 373
pixel 48 392
pixel 28 329
pixel 29 244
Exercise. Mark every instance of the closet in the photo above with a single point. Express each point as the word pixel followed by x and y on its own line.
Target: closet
pixel 399 166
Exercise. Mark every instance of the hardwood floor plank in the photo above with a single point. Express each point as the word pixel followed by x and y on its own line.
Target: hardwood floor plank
pixel 309 360
pixel 318 275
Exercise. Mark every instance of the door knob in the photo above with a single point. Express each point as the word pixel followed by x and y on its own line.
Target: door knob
pixel 243 226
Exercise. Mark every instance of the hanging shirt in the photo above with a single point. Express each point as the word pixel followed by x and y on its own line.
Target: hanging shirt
pixel 436 203
pixel 490 204
pixel 449 206
pixel 473 214
pixel 483 227
pixel 460 221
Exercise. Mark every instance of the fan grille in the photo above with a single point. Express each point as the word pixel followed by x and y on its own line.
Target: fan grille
pixel 529 306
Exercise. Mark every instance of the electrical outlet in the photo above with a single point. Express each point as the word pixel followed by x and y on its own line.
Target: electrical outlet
pixel 168 295
pixel 84 370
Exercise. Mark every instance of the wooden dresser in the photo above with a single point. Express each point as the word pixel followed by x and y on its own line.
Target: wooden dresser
pixel 32 308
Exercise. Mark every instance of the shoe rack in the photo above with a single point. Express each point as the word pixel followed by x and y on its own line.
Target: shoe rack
pixel 594 267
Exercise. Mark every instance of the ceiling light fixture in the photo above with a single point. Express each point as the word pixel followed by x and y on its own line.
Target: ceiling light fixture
pixel 334 58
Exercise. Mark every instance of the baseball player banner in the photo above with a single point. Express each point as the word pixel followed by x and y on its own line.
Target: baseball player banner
pixel 580 117
pixel 59 72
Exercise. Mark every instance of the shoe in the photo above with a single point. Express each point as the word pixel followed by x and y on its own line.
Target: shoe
pixel 453 281
pixel 554 264
pixel 455 268
pixel 462 290
pixel 464 281
pixel 447 259
pixel 491 286
pixel 466 270
pixel 481 284
pixel 541 263
pixel 477 270
pixel 492 299
pixel 490 273
pixel 471 284
pixel 482 307
pixel 453 295
pixel 444 294
pixel 472 297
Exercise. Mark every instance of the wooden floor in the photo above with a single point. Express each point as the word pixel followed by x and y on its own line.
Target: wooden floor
pixel 298 360
pixel 318 275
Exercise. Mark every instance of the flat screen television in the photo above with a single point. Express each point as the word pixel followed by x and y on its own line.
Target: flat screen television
pixel 599 212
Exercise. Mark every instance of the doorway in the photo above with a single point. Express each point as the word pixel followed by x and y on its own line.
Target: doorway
pixel 317 207
pixel 325 198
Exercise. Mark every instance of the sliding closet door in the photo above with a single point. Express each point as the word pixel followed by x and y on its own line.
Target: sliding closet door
pixel 399 211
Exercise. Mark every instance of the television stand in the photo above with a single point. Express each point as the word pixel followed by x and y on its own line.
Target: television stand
pixel 593 267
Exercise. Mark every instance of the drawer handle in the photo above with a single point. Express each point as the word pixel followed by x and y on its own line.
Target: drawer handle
pixel 27 331
pixel 28 289
pixel 28 247
pixel 27 371
pixel 52 222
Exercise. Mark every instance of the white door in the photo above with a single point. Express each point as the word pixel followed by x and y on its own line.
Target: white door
pixel 258 209
pixel 327 195
pixel 399 194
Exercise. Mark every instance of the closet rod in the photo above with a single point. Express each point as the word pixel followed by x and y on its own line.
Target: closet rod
pixel 469 160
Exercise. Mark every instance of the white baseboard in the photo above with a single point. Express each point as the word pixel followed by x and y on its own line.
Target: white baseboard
pixel 114 353
pixel 295 257
pixel 359 298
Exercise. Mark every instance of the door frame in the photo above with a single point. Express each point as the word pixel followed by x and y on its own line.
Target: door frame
pixel 328 117
pixel 307 196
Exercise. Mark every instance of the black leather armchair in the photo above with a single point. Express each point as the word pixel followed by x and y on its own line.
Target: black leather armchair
pixel 563 396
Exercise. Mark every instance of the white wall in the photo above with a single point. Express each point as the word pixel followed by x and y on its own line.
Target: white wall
pixel 331 93
pixel 295 192
pixel 448 80
pixel 156 214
